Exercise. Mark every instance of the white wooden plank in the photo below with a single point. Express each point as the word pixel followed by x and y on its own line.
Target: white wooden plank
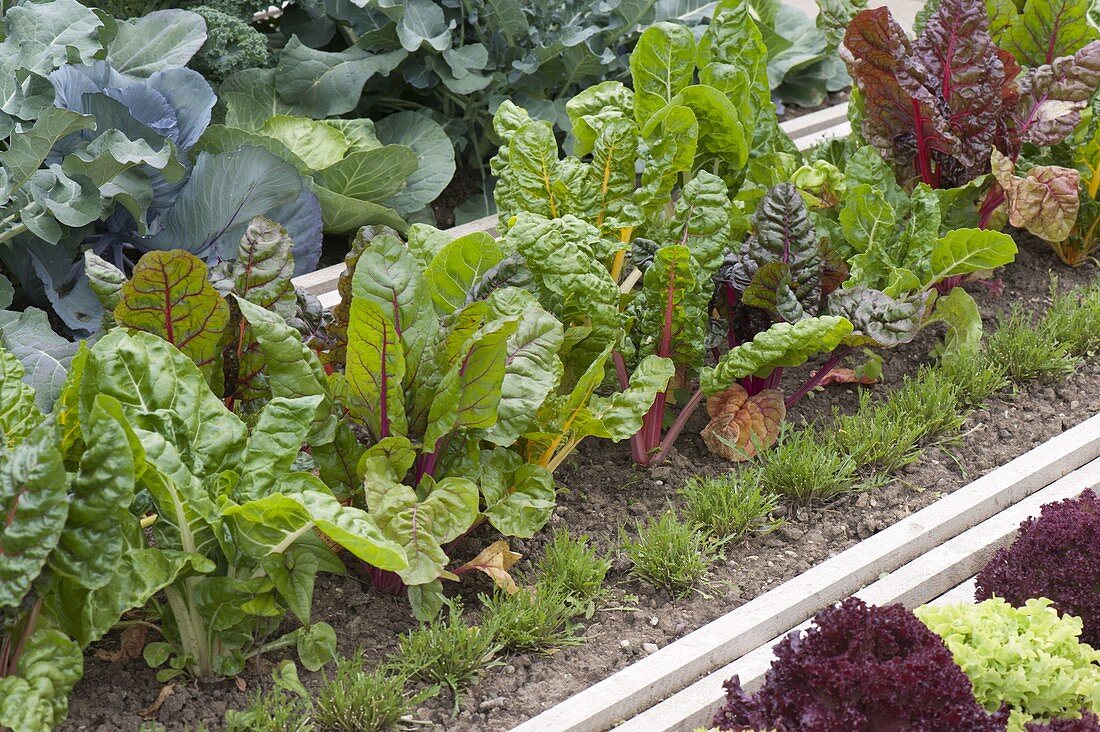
pixel 321 281
pixel 720 642
pixel 962 594
pixel 841 129
pixel 933 576
pixel 485 223
pixel 822 119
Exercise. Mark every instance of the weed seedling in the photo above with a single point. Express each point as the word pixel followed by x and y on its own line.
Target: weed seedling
pixel 574 566
pixel 805 467
pixel 669 553
pixel 356 701
pixel 888 434
pixel 729 506
pixel 1026 352
pixel 534 619
pixel 445 651
pixel 272 711
pixel 1073 320
pixel 974 377
pixel 286 707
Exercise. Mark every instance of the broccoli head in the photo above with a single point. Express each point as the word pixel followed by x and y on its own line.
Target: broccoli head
pixel 231 44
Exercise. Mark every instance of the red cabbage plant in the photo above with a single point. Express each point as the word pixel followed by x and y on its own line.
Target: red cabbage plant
pixel 861 668
pixel 937 107
pixel 1056 556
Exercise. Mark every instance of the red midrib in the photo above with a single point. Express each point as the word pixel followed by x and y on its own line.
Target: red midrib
pixel 666 331
pixel 168 327
pixel 383 389
pixel 1054 33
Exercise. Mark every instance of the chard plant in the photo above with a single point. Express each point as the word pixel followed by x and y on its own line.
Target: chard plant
pixel 438 389
pixel 175 296
pixel 700 124
pixel 226 498
pixel 902 246
pixel 72 556
pixel 1076 241
pixel 975 92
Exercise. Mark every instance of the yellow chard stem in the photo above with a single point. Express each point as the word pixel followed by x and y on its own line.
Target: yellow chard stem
pixel 620 256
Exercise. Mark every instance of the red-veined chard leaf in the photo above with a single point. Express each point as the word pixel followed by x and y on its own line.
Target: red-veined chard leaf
pixel 170 296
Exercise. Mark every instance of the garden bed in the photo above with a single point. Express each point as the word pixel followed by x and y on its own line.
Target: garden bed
pixel 933 577
pixel 600 489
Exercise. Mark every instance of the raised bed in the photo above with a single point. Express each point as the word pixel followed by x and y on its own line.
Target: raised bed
pixel 916 560
pixel 806 131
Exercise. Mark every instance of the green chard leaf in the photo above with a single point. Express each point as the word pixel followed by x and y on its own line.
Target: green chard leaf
pixel 36 698
pixel 519 496
pixel 782 345
pixel 532 368
pixel 18 413
pixel 964 251
pixel 34 498
pixel 661 66
pixel 1048 29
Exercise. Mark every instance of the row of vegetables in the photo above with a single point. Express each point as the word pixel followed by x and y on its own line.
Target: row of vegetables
pixel 1024 658
pixel 215 440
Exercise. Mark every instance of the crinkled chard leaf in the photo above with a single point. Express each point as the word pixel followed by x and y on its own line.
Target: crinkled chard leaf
pixel 964 251
pixel 1046 30
pixel 783 344
pixel 458 267
pixel 91 546
pixel 34 498
pixel 532 368
pixel 1045 201
pixel 783 232
pixel 421 527
pixel 958 311
pixel 741 426
pixel 519 496
pixel 877 319
pixel 18 413
pixel 37 696
pixel 661 66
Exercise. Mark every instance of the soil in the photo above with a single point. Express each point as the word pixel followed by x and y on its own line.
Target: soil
pixel 599 490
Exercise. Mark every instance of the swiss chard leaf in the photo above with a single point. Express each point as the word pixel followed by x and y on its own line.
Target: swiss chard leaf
pixel 170 296
pixel 781 345
pixel 34 498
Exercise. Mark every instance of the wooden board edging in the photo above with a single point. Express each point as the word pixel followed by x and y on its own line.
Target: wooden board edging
pixel 646 682
pixel 932 577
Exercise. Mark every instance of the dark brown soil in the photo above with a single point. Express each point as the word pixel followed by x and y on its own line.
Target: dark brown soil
pixel 599 491
pixel 791 111
pixel 466 183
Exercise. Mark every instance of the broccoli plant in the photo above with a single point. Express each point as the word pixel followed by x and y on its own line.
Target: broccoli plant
pixel 232 42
